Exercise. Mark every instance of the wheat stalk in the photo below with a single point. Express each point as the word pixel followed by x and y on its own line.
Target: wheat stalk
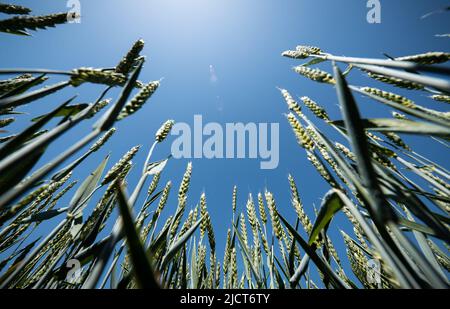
pixel 14 9
pixel 243 230
pixel 399 116
pixel 164 130
pixel 138 100
pixel 120 165
pixel 394 138
pixel 203 213
pixel 315 74
pixel 96 76
pixel 315 108
pixel 295 54
pixel 300 133
pixel 6 121
pixel 20 24
pixel 102 140
pixel 126 64
pixel 276 224
pixel 234 198
pixel 15 82
pixel 441 98
pixel 390 96
pixel 291 103
pixel 426 58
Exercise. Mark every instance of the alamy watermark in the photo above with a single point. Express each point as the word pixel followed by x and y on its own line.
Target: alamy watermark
pixel 374 13
pixel 234 140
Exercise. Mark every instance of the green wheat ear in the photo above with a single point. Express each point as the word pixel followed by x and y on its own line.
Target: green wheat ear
pixel 14 9
pixel 315 74
pixel 315 108
pixel 311 50
pixel 19 24
pixel 101 141
pixel 291 103
pixel 234 199
pixel 120 165
pixel 96 76
pixel 138 100
pixel 411 246
pixel 300 133
pixel 441 98
pixel 390 96
pixel 127 62
pixel 6 121
pixel 295 54
pixel 427 58
pixel 395 81
pixel 164 130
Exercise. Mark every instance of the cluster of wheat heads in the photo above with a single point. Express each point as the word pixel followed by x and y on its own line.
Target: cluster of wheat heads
pixel 378 179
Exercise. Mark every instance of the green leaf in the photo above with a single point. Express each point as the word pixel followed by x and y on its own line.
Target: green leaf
pixel 300 271
pixel 280 281
pixel 150 202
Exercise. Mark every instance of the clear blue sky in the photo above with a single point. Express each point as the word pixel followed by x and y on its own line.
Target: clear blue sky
pixel 243 40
